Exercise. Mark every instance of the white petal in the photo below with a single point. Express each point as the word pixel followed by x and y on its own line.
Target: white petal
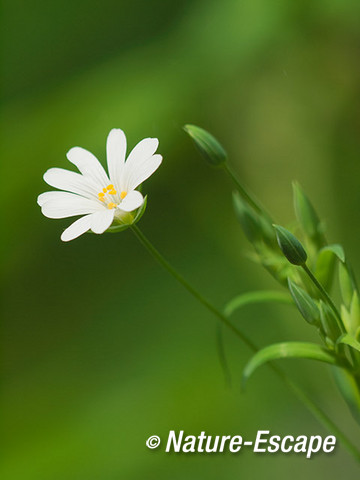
pixel 140 153
pixel 88 165
pixel 132 201
pixel 71 182
pixel 101 221
pixel 144 149
pixel 143 171
pixel 64 204
pixel 43 197
pixel 115 154
pixel 77 228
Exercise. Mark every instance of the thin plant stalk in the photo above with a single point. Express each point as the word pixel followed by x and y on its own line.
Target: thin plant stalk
pixel 244 193
pixel 299 393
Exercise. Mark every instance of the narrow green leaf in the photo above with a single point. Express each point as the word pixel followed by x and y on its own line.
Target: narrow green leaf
pixel 307 216
pixel 346 284
pixel 355 312
pixel 277 351
pixel 329 322
pixel 208 146
pixel 290 246
pixel 345 317
pixel 260 296
pixel 349 390
pixel 337 250
pixel 325 268
pixel 349 340
pixel 306 305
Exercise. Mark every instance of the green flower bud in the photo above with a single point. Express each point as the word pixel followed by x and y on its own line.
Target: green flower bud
pixel 247 218
pixel 306 305
pixel 307 217
pixel 209 147
pixel 255 226
pixel 290 246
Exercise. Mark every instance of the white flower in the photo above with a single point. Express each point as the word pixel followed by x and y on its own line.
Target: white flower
pixel 100 197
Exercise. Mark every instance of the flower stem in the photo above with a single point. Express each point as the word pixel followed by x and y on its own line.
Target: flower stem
pixel 245 195
pixel 157 255
pixel 302 396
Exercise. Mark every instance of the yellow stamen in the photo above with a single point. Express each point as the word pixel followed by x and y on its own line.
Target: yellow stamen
pixel 104 190
pixel 110 187
pixel 111 205
pixel 123 194
pixel 101 194
pixel 112 192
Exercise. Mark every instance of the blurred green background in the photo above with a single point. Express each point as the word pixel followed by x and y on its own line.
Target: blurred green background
pixel 101 348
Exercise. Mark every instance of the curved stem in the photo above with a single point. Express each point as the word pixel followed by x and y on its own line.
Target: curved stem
pixel 303 397
pixel 157 255
pixel 243 192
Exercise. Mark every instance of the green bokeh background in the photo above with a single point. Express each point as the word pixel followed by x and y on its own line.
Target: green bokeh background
pixel 102 349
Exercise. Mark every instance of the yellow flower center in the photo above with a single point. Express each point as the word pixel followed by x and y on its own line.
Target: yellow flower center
pixel 109 190
pixel 123 194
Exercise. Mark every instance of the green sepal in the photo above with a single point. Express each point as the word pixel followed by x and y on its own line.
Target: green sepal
pixel 261 296
pixel 140 211
pixel 282 350
pixel 349 340
pixel 118 228
pixel 307 217
pixel 290 246
pixel 128 220
pixel 208 146
pixel 305 304
pixel 349 390
pixel 351 316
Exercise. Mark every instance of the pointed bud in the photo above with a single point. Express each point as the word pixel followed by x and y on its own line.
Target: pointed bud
pixel 247 218
pixel 290 246
pixel 209 147
pixel 306 305
pixel 307 217
pixel 255 226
